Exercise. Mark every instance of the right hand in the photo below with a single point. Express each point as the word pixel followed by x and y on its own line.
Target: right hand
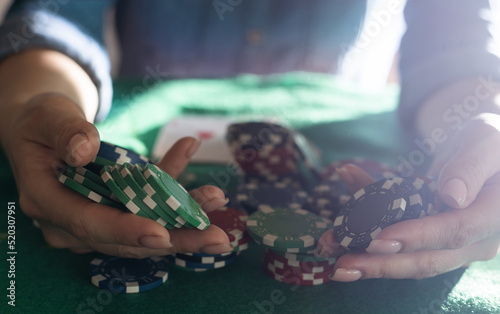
pixel 51 130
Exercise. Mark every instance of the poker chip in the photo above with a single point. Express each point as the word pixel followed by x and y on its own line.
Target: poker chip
pixel 164 209
pixel 116 173
pixel 294 279
pixel 329 197
pixel 128 275
pixel 231 221
pixel 204 259
pixel 110 155
pixel 413 189
pixel 183 263
pixel 311 265
pixel 256 196
pixel 176 197
pixel 93 176
pixel 370 210
pixel 113 186
pixel 300 257
pixel 257 134
pixel 104 191
pixel 284 229
pixel 430 193
pixel 83 190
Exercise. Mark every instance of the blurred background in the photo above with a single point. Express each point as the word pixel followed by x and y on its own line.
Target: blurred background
pixel 371 61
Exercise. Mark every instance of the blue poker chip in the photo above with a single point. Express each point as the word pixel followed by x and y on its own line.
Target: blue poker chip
pixel 128 275
pixel 182 263
pixel 110 154
pixel 254 196
pixel 369 211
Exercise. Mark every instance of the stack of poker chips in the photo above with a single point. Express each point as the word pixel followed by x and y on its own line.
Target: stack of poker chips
pixel 381 204
pixel 274 162
pixel 122 178
pixel 297 269
pixel 233 223
pixel 290 237
pixel 128 275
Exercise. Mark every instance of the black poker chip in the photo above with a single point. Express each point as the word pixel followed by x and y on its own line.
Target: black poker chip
pixel 369 211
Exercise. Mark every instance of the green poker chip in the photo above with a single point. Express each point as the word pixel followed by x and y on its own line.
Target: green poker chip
pixel 113 186
pixel 287 230
pixel 94 177
pixel 85 191
pixel 126 175
pixel 131 195
pixel 176 196
pixel 104 191
pixel 178 221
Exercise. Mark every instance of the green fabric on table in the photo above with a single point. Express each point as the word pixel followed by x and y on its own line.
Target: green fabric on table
pixel 337 118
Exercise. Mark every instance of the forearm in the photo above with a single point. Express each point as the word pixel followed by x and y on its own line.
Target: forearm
pixel 35 72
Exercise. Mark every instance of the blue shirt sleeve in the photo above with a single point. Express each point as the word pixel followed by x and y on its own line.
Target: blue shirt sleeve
pixel 70 27
pixel 445 42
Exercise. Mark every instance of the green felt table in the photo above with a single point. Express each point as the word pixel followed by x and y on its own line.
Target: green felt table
pixel 339 119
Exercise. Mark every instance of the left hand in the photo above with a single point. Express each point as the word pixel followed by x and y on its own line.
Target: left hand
pixel 469 182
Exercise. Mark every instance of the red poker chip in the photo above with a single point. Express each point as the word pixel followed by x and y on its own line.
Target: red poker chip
pixel 289 271
pixel 245 240
pixel 294 279
pixel 303 266
pixel 231 220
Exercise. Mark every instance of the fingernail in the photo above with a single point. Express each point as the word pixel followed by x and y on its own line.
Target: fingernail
pixel 155 242
pixel 384 247
pixel 215 203
pixel 217 248
pixel 80 146
pixel 455 191
pixel 194 147
pixel 345 275
pixel 345 175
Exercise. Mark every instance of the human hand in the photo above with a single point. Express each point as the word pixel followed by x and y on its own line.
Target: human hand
pixel 52 130
pixel 433 245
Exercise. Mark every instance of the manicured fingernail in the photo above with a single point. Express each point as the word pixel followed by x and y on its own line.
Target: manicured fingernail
pixel 155 242
pixel 217 248
pixel 194 147
pixel 346 275
pixel 79 146
pixel 215 203
pixel 455 191
pixel 345 175
pixel 384 247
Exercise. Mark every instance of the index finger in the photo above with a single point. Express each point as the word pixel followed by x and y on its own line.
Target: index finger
pixel 178 156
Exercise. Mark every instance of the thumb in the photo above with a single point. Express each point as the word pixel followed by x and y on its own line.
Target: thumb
pixel 474 162
pixel 59 123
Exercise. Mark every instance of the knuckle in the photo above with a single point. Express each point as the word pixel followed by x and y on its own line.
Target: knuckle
pixel 428 267
pixel 460 234
pixel 77 227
